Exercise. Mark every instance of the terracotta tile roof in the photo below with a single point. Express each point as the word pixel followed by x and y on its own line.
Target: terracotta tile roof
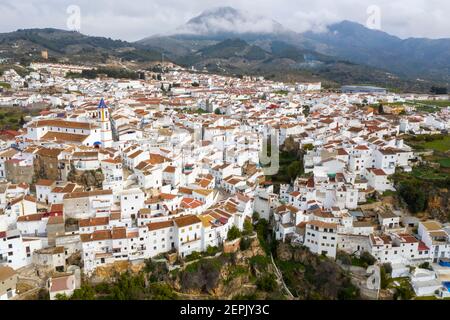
pixel 190 203
pixel 63 136
pixel 98 235
pixel 62 283
pixel 184 190
pixel 57 207
pixel 167 196
pixel 203 192
pixel 30 217
pixel 186 221
pixel 55 220
pixel 377 172
pixel 170 169
pixel 160 225
pixel 75 195
pixel 321 224
pixel 91 222
pixel 45 182
pixel 63 124
pixel 119 233
pixel 6 273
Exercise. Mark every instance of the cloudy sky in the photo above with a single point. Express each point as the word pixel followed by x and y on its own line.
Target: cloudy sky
pixel 135 19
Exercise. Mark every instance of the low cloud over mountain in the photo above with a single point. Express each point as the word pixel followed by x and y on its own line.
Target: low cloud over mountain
pixel 221 20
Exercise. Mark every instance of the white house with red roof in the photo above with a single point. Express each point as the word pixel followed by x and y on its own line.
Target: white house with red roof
pixel 378 179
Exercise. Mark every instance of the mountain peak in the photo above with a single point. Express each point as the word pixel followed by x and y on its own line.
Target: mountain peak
pixel 355 28
pixel 220 11
pixel 229 21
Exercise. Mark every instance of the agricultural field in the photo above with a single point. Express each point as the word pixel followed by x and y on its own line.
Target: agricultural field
pixel 441 145
pixel 430 106
pixel 437 103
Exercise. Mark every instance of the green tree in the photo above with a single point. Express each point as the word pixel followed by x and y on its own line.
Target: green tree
pixel 414 196
pixel 367 258
pixel 248 227
pixel 128 287
pixel 43 294
pixel 233 233
pixel 267 283
pixel 294 170
pixel 217 111
pixel 162 291
pixel 85 292
pixel 384 281
pixel 306 111
pixel 60 296
pixel 344 258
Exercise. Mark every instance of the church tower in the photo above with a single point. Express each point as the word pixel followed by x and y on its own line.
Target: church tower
pixel 106 133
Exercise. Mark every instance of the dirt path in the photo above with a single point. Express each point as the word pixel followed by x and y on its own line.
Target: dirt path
pixel 280 278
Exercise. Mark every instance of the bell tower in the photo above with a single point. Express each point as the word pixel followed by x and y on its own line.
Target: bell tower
pixel 103 115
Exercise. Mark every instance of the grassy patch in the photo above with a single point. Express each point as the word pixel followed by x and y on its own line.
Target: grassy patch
pixel 428 173
pixel 442 145
pixel 437 142
pixel 437 103
pixel 445 163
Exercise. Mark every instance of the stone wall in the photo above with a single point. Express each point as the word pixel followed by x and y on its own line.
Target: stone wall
pixel 231 246
pixel 18 174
